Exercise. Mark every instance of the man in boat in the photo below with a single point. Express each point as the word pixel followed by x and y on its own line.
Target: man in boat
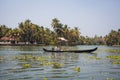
pixel 57 48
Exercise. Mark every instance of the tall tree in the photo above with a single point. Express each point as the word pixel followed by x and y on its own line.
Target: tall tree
pixel 113 38
pixel 74 36
pixel 3 30
pixel 27 31
pixel 57 26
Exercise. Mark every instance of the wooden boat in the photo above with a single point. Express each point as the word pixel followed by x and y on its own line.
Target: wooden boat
pixel 75 51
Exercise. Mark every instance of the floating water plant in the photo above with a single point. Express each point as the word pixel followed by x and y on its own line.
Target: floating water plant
pixel 96 58
pixel 110 79
pixel 48 63
pixel 1 58
pixel 31 57
pixel 44 78
pixel 113 50
pixel 26 65
pixel 115 62
pixel 57 65
pixel 77 69
pixel 39 58
pixel 115 57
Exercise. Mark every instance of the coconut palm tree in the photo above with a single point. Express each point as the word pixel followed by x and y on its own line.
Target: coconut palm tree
pixel 57 26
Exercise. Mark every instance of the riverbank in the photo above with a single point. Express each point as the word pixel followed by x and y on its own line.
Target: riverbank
pixel 116 45
pixel 22 44
pixel 10 44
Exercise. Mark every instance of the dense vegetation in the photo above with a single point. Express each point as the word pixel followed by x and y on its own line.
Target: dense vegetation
pixel 113 38
pixel 31 33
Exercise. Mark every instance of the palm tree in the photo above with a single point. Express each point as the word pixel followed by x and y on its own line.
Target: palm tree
pixel 4 30
pixel 66 32
pixel 55 23
pixel 74 36
pixel 57 26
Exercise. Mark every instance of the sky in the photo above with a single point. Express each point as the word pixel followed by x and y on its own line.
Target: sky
pixel 92 17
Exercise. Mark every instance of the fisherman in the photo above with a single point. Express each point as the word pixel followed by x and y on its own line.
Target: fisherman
pixel 57 48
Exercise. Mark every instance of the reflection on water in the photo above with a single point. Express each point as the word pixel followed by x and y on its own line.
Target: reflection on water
pixel 31 63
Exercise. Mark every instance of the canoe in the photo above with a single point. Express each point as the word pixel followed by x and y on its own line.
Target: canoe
pixel 74 51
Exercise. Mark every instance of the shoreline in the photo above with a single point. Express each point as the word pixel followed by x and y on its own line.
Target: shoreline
pixel 116 45
pixel 40 45
pixel 22 45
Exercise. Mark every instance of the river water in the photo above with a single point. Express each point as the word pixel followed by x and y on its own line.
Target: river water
pixel 32 63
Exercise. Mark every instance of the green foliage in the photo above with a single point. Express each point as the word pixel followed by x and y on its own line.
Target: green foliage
pixel 31 33
pixel 72 35
pixel 114 57
pixel 57 65
pixel 96 40
pixel 3 30
pixel 113 38
pixel 77 69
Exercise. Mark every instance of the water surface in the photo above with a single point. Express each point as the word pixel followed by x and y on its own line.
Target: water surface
pixel 32 63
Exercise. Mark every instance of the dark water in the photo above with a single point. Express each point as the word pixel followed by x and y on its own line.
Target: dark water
pixel 32 63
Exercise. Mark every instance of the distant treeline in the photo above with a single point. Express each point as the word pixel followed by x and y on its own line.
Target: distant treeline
pixel 31 33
